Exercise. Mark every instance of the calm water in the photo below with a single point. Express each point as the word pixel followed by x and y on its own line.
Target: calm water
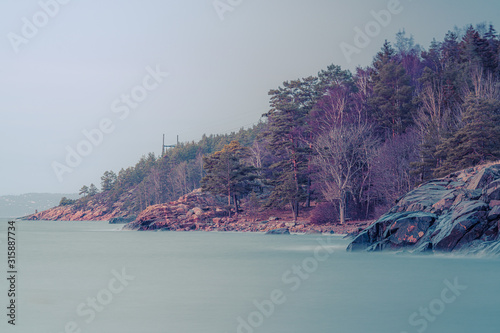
pixel 231 282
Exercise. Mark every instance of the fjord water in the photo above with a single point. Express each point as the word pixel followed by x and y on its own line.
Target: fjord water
pixel 224 282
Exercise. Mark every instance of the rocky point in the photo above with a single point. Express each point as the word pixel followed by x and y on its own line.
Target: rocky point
pixel 460 212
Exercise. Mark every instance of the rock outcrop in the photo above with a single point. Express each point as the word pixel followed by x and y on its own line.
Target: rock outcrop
pixel 460 212
pixel 92 208
pixel 122 219
pixel 72 213
pixel 193 211
pixel 279 231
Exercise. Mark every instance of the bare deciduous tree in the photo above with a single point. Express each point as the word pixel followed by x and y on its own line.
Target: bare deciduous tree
pixel 179 178
pixel 392 176
pixel 341 156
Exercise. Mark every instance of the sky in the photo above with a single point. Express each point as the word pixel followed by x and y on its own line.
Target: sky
pixel 90 86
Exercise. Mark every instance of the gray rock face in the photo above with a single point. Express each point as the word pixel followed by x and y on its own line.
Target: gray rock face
pixel 279 231
pixel 122 219
pixel 460 212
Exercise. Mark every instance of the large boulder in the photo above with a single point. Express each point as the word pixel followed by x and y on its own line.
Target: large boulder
pixel 279 231
pixel 394 231
pixel 122 219
pixel 194 211
pixel 458 212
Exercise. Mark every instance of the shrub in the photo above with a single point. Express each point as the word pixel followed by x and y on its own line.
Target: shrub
pixel 324 212
pixel 66 202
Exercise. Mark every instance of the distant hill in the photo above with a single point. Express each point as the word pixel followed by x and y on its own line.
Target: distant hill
pixel 25 204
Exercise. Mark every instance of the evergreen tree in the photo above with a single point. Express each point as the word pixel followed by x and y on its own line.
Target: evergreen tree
pixel 408 54
pixel 434 121
pixel 491 52
pixel 428 161
pixel 84 191
pixel 450 48
pixel 288 134
pixel 93 190
pixel 333 76
pixel 108 180
pixel 477 141
pixel 440 101
pixel 392 106
pixel 227 175
pixel 471 47
pixel 66 202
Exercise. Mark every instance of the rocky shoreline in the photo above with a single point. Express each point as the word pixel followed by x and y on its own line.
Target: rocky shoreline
pixel 200 211
pixel 196 211
pixel 457 213
pixel 70 213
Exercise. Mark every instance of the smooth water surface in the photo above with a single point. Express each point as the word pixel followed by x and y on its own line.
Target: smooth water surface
pixel 191 282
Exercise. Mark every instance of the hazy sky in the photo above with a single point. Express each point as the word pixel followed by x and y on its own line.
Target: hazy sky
pixel 76 66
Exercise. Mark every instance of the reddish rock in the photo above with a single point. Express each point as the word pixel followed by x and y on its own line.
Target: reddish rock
pixel 494 203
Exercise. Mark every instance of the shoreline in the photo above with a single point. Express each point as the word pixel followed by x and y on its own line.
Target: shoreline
pixel 243 225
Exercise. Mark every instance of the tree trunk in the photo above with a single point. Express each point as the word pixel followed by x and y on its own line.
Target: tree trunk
pixel 342 207
pixel 236 208
pixel 295 210
pixel 229 202
pixel 308 200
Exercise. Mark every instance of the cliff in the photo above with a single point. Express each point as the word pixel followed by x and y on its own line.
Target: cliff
pixel 460 212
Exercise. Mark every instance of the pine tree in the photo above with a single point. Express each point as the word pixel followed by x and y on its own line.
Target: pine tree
pixel 84 190
pixel 477 141
pixel 93 190
pixel 490 52
pixel 253 205
pixel 108 180
pixel 333 76
pixel 227 174
pixel 392 106
pixel 428 162
pixel 471 47
pixel 288 135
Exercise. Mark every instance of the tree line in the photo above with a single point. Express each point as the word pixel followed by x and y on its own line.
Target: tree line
pixel 158 179
pixel 347 143
pixel 359 141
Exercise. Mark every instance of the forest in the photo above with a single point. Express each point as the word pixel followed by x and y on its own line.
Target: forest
pixel 348 144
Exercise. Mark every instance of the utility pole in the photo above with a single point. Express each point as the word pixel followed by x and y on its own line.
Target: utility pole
pixel 167 146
